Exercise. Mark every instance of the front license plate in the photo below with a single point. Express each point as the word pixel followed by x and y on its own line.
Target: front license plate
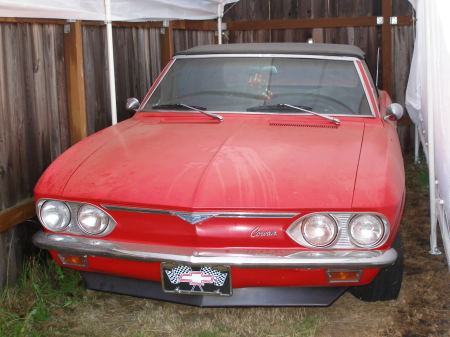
pixel 196 280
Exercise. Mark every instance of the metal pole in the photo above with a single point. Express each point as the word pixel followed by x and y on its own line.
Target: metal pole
pixel 431 156
pixel 416 145
pixel 112 77
pixel 219 23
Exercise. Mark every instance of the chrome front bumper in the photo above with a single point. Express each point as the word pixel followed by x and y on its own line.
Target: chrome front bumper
pixel 244 258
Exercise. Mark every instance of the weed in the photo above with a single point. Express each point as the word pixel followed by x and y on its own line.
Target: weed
pixel 43 288
pixel 307 327
pixel 417 175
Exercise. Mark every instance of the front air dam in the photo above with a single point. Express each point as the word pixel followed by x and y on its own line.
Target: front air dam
pixel 242 297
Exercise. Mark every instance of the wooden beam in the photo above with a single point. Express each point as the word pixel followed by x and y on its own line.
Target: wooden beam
pixel 33 20
pixel 194 25
pixel 386 45
pixel 166 42
pixel 73 51
pixel 405 20
pixel 303 23
pixel 124 24
pixel 17 214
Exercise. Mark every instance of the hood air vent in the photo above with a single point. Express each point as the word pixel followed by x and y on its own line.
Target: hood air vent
pixel 305 125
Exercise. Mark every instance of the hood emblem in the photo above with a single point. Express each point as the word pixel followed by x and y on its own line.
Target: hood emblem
pixel 193 218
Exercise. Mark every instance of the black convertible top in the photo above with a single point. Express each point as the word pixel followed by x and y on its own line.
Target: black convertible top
pixel 277 48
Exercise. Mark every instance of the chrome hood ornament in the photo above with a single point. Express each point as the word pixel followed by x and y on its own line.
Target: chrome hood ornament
pixel 193 218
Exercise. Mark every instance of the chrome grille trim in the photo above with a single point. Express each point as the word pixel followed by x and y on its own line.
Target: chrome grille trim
pixel 255 215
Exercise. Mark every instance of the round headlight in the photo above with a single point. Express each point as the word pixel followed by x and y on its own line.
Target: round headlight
pixel 366 230
pixel 319 230
pixel 92 220
pixel 55 215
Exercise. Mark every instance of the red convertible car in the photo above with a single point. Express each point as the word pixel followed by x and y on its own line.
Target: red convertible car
pixel 250 175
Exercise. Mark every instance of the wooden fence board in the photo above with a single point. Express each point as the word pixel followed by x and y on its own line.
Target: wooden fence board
pixel 137 64
pixel 96 77
pixel 184 39
pixel 33 114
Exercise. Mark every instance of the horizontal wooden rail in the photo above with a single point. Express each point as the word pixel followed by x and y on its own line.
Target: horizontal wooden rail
pixel 204 25
pixel 33 20
pixel 124 24
pixel 194 25
pixel 362 21
pixel 17 214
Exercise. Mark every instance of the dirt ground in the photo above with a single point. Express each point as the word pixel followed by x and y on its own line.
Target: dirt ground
pixel 423 308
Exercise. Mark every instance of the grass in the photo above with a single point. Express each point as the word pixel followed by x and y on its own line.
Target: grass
pixel 43 290
pixel 417 175
pixel 50 301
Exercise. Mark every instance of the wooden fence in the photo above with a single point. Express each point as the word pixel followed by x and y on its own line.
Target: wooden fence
pixel 33 115
pixel 54 85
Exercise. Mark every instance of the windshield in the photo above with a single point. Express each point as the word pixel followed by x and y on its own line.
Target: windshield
pixel 261 84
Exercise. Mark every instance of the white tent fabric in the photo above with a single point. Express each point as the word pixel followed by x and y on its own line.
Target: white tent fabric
pixel 428 104
pixel 121 10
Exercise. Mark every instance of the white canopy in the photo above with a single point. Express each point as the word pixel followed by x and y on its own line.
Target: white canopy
pixel 121 10
pixel 428 104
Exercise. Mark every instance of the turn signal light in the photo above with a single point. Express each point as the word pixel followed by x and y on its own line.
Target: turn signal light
pixel 338 276
pixel 73 260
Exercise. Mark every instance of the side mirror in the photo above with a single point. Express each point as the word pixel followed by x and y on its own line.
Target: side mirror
pixel 132 104
pixel 394 111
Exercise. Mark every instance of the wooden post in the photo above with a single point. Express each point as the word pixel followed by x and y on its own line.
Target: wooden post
pixel 386 45
pixel 76 99
pixel 17 214
pixel 167 48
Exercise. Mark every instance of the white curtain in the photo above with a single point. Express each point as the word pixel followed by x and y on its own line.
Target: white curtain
pixel 429 85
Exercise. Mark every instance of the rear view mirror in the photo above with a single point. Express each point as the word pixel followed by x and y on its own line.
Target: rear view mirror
pixel 132 104
pixel 394 111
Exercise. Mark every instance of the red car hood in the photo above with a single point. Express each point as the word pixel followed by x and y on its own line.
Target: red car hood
pixel 242 163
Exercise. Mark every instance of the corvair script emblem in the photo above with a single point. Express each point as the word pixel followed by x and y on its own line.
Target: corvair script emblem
pixel 256 233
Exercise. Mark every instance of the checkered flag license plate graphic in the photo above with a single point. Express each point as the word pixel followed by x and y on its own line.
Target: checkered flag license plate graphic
pixel 219 278
pixel 174 274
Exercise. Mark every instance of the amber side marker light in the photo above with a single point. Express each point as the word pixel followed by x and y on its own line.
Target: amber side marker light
pixel 73 260
pixel 340 276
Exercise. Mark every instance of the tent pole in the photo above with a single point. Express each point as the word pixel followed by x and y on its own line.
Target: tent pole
pixel 431 155
pixel 416 145
pixel 219 22
pixel 112 77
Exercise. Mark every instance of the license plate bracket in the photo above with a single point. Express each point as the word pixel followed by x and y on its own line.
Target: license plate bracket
pixel 196 280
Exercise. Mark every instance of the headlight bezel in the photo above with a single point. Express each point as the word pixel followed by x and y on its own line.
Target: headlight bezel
pixel 82 227
pixel 342 240
pixel 380 241
pixel 334 226
pixel 73 227
pixel 45 223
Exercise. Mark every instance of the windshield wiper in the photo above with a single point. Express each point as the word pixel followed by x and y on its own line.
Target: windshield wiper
pixel 306 109
pixel 274 107
pixel 183 106
pixel 334 120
